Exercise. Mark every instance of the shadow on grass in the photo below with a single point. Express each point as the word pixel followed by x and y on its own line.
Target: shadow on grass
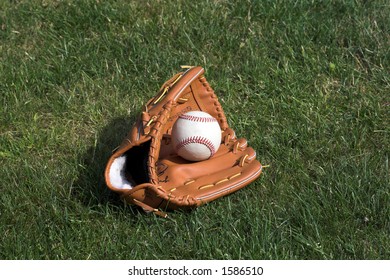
pixel 90 188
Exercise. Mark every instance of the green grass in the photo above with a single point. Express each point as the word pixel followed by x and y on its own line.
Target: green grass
pixel 306 83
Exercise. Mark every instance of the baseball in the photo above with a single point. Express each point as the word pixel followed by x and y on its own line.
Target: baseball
pixel 196 136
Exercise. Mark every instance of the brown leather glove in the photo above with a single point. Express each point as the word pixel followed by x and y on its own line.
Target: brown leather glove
pixel 146 171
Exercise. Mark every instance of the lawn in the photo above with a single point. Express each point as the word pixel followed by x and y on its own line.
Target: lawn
pixel 306 82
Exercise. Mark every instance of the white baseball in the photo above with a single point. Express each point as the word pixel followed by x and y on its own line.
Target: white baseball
pixel 196 136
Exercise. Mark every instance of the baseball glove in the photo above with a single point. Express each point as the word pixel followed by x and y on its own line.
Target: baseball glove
pixel 144 170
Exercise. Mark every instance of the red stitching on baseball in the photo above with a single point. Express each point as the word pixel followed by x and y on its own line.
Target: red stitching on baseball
pixel 197 140
pixel 197 119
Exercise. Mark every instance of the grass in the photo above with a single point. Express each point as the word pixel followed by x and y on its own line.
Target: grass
pixel 306 83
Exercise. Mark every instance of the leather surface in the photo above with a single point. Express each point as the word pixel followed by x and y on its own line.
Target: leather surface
pixel 171 181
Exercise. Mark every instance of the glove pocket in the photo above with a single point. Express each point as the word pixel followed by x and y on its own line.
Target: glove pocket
pixel 175 171
pixel 211 179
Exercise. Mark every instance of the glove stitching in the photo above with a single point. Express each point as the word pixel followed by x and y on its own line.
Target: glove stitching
pixel 220 181
pixel 242 160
